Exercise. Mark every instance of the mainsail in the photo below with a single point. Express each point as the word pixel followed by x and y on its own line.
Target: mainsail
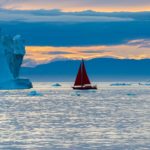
pixel 82 77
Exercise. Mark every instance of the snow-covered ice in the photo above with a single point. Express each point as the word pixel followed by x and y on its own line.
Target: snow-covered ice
pixel 107 119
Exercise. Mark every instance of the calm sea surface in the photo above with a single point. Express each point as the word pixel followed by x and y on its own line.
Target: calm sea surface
pixel 58 118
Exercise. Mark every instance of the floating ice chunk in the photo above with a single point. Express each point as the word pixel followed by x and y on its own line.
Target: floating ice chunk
pixel 35 93
pixel 145 84
pixel 56 85
pixel 131 94
pixel 76 94
pixel 120 84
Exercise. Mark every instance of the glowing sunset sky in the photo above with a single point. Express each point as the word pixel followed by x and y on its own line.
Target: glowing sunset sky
pixel 132 50
pixel 78 5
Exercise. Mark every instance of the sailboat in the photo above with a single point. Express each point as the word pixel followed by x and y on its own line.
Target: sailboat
pixel 82 81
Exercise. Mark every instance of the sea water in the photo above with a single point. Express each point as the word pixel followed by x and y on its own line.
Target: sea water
pixel 59 118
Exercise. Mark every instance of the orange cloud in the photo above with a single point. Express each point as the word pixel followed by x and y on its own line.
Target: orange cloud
pixel 79 5
pixel 43 54
pixel 109 9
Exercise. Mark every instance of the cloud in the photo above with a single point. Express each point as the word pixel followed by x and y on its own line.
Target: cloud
pixel 94 51
pixel 29 62
pixel 57 52
pixel 145 43
pixel 122 51
pixel 74 5
pixel 83 32
pixel 58 16
pixel 74 39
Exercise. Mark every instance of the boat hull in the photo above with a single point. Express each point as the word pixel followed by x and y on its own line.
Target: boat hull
pixel 85 88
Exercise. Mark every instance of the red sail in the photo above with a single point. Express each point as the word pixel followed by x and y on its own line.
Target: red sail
pixel 85 76
pixel 82 77
pixel 78 78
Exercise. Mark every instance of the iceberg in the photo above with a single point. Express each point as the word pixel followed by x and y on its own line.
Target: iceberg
pixel 35 93
pixel 16 84
pixel 147 83
pixel 131 94
pixel 12 51
pixel 56 85
pixel 120 84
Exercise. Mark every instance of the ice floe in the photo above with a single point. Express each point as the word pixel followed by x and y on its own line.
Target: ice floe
pixel 34 93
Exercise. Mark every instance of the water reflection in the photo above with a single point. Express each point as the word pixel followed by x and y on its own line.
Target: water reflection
pixel 62 119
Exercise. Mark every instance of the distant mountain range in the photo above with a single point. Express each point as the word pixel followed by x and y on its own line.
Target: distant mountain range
pixel 101 69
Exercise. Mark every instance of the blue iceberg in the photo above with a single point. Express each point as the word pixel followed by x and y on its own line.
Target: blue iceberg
pixel 35 93
pixel 120 84
pixel 12 51
pixel 56 85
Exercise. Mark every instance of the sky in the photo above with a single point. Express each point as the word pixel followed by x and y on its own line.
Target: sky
pixel 75 29
pixel 78 5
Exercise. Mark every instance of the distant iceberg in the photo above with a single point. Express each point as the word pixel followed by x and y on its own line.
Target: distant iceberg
pixel 12 51
pixel 120 84
pixel 76 94
pixel 56 85
pixel 131 94
pixel 146 84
